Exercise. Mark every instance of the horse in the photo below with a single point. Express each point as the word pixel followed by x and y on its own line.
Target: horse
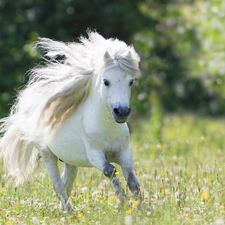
pixel 74 108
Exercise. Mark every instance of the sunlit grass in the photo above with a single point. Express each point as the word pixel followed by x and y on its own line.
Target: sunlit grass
pixel 182 182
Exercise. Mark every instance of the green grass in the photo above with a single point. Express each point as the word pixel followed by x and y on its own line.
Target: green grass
pixel 180 168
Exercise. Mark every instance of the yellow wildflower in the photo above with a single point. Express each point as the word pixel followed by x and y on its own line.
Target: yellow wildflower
pixel 8 223
pixel 93 181
pixel 78 185
pixel 117 173
pixel 205 195
pixel 80 215
pixel 135 202
pixel 99 196
pixel 188 219
pixel 128 211
pixel 221 207
pixel 167 191
pixel 111 198
pixel 3 190
pixel 85 183
pixel 152 156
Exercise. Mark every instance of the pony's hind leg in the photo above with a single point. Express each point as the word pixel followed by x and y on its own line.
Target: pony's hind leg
pixel 68 177
pixel 51 163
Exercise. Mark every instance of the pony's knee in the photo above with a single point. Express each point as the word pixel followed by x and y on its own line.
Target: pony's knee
pixel 109 170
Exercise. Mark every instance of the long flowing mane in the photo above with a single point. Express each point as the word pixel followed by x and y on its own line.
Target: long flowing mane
pixel 57 89
pixel 69 78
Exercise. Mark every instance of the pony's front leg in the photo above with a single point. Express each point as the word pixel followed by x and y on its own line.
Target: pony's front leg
pixel 51 163
pixel 97 159
pixel 126 161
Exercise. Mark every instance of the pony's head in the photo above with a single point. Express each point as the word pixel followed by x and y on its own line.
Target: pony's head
pixel 116 81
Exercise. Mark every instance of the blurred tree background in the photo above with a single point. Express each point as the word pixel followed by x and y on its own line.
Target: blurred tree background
pixel 180 42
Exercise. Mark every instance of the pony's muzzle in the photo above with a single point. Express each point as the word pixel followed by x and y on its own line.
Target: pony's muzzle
pixel 121 113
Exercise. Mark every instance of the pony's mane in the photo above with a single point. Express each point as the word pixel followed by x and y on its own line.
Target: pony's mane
pixel 58 88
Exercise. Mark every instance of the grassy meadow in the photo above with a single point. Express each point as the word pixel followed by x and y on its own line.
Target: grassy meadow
pixel 180 169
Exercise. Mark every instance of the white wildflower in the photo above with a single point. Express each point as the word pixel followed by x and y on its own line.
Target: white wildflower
pixel 205 180
pixel 207 169
pixel 35 220
pixel 218 221
pixel 167 180
pixel 177 194
pixel 157 196
pixel 128 220
pixel 105 183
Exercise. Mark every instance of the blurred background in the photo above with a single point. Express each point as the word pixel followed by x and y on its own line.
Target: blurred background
pixel 181 44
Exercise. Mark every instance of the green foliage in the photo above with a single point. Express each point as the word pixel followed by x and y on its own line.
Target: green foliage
pixel 180 43
pixel 183 55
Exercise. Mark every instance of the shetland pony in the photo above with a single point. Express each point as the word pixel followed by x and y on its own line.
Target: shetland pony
pixel 74 108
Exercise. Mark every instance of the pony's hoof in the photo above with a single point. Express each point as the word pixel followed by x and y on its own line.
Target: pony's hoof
pixel 121 197
pixel 124 196
pixel 138 196
pixel 142 205
pixel 67 207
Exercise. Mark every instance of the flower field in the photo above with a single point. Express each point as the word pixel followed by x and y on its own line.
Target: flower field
pixel 182 181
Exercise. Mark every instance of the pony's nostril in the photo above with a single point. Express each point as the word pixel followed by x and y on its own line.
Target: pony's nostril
pixel 128 112
pixel 116 111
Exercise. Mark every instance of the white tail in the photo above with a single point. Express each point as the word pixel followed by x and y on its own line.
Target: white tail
pixel 18 153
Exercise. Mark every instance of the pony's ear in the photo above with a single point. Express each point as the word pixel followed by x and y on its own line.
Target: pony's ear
pixel 106 55
pixel 129 55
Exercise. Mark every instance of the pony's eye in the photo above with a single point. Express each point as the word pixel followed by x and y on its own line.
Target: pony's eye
pixel 106 82
pixel 131 82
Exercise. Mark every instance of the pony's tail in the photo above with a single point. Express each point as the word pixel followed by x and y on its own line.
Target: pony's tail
pixel 18 153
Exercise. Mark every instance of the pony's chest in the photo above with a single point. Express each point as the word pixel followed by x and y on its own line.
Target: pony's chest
pixel 108 140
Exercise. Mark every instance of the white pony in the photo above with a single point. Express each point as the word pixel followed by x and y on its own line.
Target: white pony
pixel 74 108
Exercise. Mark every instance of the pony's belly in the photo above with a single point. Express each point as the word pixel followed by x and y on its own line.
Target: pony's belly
pixel 73 153
pixel 81 161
